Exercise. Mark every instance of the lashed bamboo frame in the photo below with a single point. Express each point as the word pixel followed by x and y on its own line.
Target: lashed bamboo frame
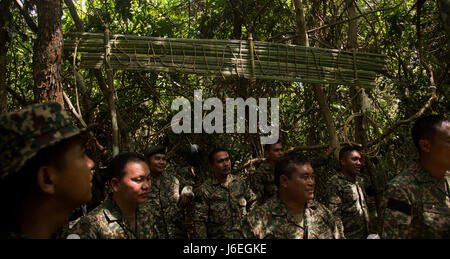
pixel 249 59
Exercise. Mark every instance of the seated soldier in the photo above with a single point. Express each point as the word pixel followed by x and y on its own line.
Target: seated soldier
pixel 416 202
pixel 45 172
pixel 119 215
pixel 292 213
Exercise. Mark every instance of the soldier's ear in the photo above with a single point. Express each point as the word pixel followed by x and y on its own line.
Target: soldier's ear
pixel 424 145
pixel 115 184
pixel 46 179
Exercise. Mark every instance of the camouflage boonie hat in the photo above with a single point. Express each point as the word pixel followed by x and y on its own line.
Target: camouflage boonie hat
pixel 25 132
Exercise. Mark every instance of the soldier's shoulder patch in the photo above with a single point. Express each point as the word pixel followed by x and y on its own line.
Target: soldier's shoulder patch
pixel 398 205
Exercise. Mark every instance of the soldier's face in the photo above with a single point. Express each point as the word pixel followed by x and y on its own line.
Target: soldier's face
pixel 351 163
pixel 300 184
pixel 157 163
pixel 73 183
pixel 439 146
pixel 275 151
pixel 221 163
pixel 134 186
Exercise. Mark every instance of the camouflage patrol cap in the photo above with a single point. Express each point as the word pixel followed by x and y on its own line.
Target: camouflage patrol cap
pixel 25 132
pixel 152 150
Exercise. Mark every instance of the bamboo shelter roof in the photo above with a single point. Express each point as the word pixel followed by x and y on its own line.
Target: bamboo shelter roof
pixel 242 58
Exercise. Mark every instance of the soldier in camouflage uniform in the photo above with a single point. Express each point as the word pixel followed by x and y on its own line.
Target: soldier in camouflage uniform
pixel 262 179
pixel 222 201
pixel 166 196
pixel 416 203
pixel 45 172
pixel 119 216
pixel 293 214
pixel 346 197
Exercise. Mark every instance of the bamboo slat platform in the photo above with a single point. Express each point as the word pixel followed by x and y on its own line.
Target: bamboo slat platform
pixel 241 58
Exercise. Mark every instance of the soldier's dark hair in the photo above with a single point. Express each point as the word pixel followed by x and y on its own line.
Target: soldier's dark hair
pixel 117 166
pixel 347 149
pixel 287 164
pixel 426 126
pixel 214 152
pixel 267 147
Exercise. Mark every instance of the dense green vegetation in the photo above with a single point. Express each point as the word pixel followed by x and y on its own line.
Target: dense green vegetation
pixel 411 33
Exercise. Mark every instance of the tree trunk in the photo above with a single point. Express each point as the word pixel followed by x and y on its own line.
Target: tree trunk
pixel 4 20
pixel 237 19
pixel 302 39
pixel 47 53
pixel 358 103
pixel 444 9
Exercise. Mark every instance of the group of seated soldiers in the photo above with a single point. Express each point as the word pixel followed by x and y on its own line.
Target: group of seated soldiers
pixel 46 174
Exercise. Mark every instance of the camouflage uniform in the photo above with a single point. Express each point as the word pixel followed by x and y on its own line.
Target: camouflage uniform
pixel 262 179
pixel 416 205
pixel 162 203
pixel 273 221
pixel 221 207
pixel 346 200
pixel 107 222
pixel 262 182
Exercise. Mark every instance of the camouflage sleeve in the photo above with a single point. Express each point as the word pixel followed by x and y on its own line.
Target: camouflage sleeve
pixel 148 227
pixel 253 227
pixel 246 229
pixel 251 198
pixel 337 227
pixel 257 180
pixel 201 208
pixel 86 228
pixel 333 223
pixel 333 200
pixel 396 213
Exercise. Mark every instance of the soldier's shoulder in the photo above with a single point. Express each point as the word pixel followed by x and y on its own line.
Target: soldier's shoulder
pixel 334 178
pixel 335 181
pixel 97 214
pixel 263 210
pixel 319 209
pixel 205 188
pixel 405 180
pixel 316 205
pixel 170 176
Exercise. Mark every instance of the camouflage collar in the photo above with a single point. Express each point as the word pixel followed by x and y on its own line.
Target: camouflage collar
pixel 281 210
pixel 231 178
pixel 266 164
pixel 111 210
